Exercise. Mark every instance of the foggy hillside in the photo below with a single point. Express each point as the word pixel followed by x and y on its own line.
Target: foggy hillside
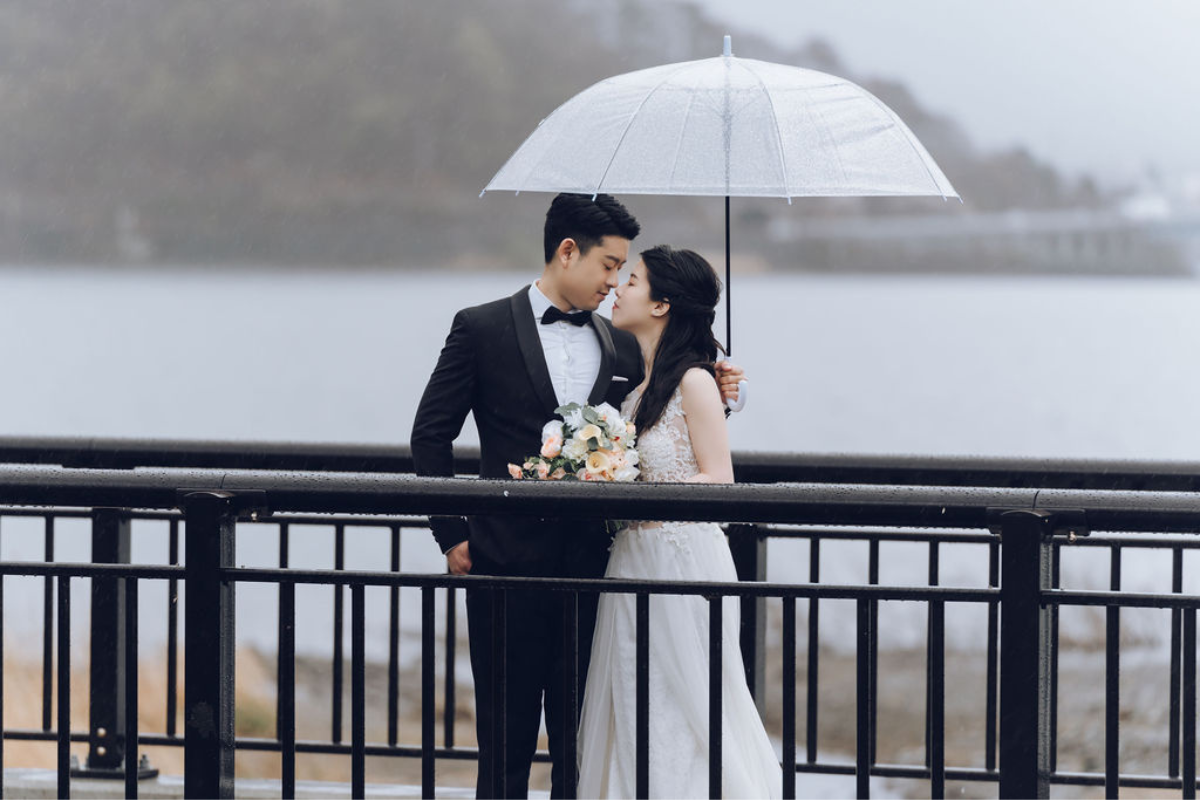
pixel 302 131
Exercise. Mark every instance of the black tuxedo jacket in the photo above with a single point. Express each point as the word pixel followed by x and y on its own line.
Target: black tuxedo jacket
pixel 493 366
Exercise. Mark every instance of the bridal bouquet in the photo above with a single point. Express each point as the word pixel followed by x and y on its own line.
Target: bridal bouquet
pixel 589 443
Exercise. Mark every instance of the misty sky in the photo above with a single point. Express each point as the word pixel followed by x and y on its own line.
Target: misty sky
pixel 1100 86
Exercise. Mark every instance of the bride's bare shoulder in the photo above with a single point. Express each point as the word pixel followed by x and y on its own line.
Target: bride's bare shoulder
pixel 699 389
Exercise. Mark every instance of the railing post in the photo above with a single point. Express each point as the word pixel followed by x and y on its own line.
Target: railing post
pixel 208 645
pixel 749 549
pixel 107 746
pixel 106 694
pixel 1025 562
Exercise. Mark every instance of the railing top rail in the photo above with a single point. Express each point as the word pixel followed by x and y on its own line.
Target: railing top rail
pixel 750 467
pixel 373 493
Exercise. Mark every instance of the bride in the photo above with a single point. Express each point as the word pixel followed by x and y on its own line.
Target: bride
pixel 668 303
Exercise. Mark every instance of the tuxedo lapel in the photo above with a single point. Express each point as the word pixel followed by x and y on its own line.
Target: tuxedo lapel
pixel 531 350
pixel 608 356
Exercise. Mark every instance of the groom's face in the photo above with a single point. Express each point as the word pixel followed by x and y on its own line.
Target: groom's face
pixel 587 278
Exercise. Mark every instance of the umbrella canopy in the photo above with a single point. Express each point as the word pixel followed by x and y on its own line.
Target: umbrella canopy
pixel 724 126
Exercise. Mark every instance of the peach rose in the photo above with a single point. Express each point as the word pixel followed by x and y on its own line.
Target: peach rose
pixel 543 470
pixel 552 446
pixel 515 471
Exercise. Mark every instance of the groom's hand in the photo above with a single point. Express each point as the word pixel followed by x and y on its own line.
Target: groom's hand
pixel 728 376
pixel 458 559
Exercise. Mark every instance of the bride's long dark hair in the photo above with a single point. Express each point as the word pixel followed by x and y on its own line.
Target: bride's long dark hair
pixel 691 286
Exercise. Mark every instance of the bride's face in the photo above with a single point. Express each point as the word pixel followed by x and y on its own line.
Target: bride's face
pixel 634 310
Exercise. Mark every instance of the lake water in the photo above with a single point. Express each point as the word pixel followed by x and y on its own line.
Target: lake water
pixel 1053 367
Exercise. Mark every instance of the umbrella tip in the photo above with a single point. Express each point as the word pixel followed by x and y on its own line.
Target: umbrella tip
pixel 728 46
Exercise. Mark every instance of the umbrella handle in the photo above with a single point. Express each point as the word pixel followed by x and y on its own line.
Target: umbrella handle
pixel 740 403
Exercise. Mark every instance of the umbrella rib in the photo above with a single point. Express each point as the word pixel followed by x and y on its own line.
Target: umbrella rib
pixel 829 137
pixel 633 117
pixel 909 141
pixel 775 119
pixel 682 129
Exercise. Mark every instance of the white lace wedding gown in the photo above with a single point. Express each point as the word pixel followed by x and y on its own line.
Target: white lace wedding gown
pixel 679 681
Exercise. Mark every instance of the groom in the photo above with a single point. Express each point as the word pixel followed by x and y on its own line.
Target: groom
pixel 511 362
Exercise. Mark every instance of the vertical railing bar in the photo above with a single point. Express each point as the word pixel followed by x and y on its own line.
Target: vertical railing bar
pixel 715 728
pixel 499 756
pixel 991 705
pixel 789 698
pixel 428 774
pixel 449 703
pixel 339 563
pixel 1112 681
pixel 570 693
pixel 284 560
pixel 358 697
pixel 393 696
pixel 748 546
pixel 1189 703
pixel 173 631
pixel 64 686
pixel 937 699
pixel 48 631
pixel 863 705
pixel 1 686
pixel 642 690
pixel 1053 612
pixel 287 688
pixel 873 579
pixel 813 654
pixel 131 687
pixel 1176 623
pixel 934 554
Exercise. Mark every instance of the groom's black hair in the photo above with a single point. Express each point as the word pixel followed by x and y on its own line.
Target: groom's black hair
pixel 587 221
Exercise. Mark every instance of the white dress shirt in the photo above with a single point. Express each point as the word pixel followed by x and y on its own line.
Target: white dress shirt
pixel 572 352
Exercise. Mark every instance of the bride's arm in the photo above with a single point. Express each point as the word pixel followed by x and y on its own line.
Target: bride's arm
pixel 704 413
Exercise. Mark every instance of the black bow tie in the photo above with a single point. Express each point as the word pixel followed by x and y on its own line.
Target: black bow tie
pixel 554 314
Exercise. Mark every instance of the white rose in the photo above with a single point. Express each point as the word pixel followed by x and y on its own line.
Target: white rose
pixel 575 419
pixel 631 457
pixel 575 449
pixel 553 428
pixel 626 473
pixel 609 414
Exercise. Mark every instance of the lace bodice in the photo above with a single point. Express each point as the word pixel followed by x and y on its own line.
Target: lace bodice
pixel 665 451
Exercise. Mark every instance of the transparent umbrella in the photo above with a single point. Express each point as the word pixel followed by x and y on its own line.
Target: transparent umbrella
pixel 724 126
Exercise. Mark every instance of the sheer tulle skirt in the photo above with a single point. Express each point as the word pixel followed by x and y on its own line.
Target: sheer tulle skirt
pixel 679 677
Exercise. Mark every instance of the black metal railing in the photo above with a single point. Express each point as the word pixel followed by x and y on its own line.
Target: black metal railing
pixel 749 467
pixel 1021 581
